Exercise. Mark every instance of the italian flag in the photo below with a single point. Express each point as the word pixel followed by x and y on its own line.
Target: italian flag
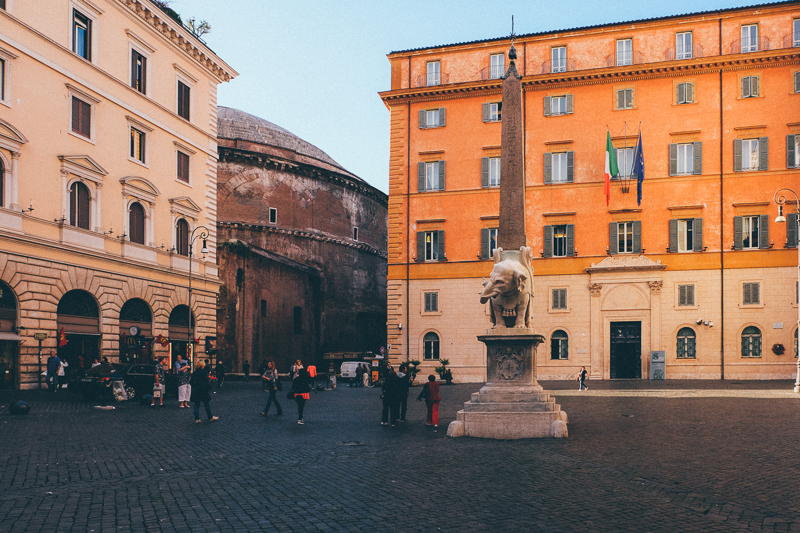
pixel 611 166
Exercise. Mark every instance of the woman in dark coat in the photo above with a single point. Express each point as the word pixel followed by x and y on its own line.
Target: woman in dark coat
pixel 392 391
pixel 200 392
pixel 301 387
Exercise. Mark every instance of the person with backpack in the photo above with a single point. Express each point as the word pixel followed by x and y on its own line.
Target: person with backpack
pixel 271 382
pixel 301 387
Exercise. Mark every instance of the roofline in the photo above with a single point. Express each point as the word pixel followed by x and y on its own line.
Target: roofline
pixel 582 28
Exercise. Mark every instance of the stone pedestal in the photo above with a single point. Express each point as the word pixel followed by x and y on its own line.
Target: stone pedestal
pixel 512 405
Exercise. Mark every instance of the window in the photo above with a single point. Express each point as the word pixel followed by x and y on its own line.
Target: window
pixel 750 233
pixel 625 99
pixel 559 345
pixel 2 79
pixel 183 167
pixel 751 293
pixel 625 237
pixel 558 59
pixel 138 72
pixel 490 172
pixel 686 344
pixel 749 86
pixel 136 223
pixel 683 45
pixel 750 38
pixel 79 203
pixel 558 105
pixel 559 167
pixel 793 150
pixel 431 302
pixel 751 342
pixel 559 240
pixel 686 296
pixel 432 118
pixel 559 299
pixel 184 100
pixel 430 246
pixel 751 154
pixel 81 117
pixel 796 34
pixel 355 234
pixel 624 52
pixel 182 237
pixel 686 235
pixel 797 81
pixel 433 73
pixel 430 176
pixel 685 93
pixel 488 242
pixel 273 215
pixel 792 231
pixel 430 346
pixel 298 320
pixel 137 144
pixel 2 190
pixel 263 309
pixel 492 112
pixel 685 158
pixel 81 35
pixel 624 162
pixel 497 66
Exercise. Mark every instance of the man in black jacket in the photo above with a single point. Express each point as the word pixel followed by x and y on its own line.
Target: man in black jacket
pixel 405 384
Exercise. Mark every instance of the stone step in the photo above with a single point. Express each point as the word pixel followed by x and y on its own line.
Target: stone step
pixel 538 407
pixel 479 397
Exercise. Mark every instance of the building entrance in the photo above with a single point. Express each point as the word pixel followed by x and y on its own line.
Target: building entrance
pixel 626 350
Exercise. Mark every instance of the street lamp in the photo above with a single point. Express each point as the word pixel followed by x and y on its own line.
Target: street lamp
pixel 204 250
pixel 780 199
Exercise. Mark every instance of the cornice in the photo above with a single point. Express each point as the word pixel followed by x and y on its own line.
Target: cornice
pixel 661 69
pixel 263 228
pixel 180 37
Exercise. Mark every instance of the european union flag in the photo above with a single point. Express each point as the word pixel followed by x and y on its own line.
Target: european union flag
pixel 638 168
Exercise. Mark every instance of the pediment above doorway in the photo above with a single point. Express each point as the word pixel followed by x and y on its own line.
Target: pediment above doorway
pixel 625 263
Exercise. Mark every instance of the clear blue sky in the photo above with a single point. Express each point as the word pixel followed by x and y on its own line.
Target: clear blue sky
pixel 315 67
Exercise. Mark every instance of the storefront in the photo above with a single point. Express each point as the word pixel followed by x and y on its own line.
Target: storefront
pixel 179 334
pixel 9 339
pixel 79 318
pixel 135 332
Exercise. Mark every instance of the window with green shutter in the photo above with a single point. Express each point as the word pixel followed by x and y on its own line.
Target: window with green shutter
pixel 751 154
pixel 625 99
pixel 625 237
pixel 492 111
pixel 559 299
pixel 488 242
pixel 559 240
pixel 430 176
pixel 686 296
pixel 751 294
pixel 490 172
pixel 792 230
pixel 792 151
pixel 558 105
pixel 432 118
pixel 686 348
pixel 685 93
pixel 431 302
pixel 749 86
pixel 430 246
pixel 686 235
pixel 559 167
pixel 559 345
pixel 685 158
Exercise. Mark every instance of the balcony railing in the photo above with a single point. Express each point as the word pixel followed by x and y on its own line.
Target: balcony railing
pixel 560 66
pixel 623 59
pixel 492 73
pixel 792 40
pixel 425 80
pixel 696 51
pixel 744 46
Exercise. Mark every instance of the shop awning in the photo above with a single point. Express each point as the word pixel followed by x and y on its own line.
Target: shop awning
pixel 8 336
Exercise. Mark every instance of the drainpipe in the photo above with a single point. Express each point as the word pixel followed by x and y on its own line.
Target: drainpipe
pixel 721 219
pixel 408 214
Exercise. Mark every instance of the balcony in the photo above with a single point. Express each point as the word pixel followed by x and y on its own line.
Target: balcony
pixel 792 40
pixel 744 46
pixel 695 52
pixel 492 73
pixel 426 80
pixel 568 65
pixel 623 59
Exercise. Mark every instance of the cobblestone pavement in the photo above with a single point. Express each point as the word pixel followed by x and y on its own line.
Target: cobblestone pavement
pixel 675 456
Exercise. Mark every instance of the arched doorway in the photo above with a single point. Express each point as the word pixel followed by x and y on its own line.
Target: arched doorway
pixel 135 332
pixel 179 334
pixel 79 317
pixel 9 339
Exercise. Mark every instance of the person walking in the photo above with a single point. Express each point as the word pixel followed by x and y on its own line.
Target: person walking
pixel 62 373
pixel 261 369
pixel 53 366
pixel 184 375
pixel 270 378
pixel 201 387
pixel 582 379
pixel 430 393
pixel 158 384
pixel 405 385
pixel 246 370
pixel 296 368
pixel 359 376
pixel 301 387
pixel 220 372
pixel 391 398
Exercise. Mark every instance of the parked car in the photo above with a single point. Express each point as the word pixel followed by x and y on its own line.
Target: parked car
pixel 137 380
pixel 348 369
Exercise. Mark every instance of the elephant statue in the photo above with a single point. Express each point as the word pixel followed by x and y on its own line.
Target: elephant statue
pixel 510 289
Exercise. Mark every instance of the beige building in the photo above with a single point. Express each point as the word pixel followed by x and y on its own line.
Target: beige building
pixel 108 162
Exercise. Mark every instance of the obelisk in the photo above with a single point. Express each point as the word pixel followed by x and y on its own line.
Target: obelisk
pixel 511 405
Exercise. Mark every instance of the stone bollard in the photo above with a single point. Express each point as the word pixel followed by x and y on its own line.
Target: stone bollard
pixel 20 408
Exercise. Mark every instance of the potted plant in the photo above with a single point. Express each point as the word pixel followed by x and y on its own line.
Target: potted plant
pixel 444 372
pixel 413 370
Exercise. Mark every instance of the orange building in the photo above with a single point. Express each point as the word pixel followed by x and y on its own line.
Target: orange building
pixel 700 270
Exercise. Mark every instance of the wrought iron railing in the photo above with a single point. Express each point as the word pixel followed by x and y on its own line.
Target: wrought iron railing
pixel 695 52
pixel 792 40
pixel 424 80
pixel 744 46
pixel 568 65
pixel 492 73
pixel 623 59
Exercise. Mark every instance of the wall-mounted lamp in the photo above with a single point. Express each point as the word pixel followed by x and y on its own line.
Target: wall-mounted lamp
pixel 780 218
pixel 400 326
pixel 110 231
pixel 698 321
pixel 29 208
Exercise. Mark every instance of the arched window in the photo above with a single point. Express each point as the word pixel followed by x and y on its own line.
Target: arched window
pixel 136 223
pixel 78 303
pixel 751 342
pixel 686 344
pixel 136 310
pixel 559 345
pixel 79 202
pixel 430 344
pixel 182 237
pixel 795 343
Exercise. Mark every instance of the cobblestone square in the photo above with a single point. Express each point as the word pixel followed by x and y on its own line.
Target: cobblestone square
pixel 641 456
